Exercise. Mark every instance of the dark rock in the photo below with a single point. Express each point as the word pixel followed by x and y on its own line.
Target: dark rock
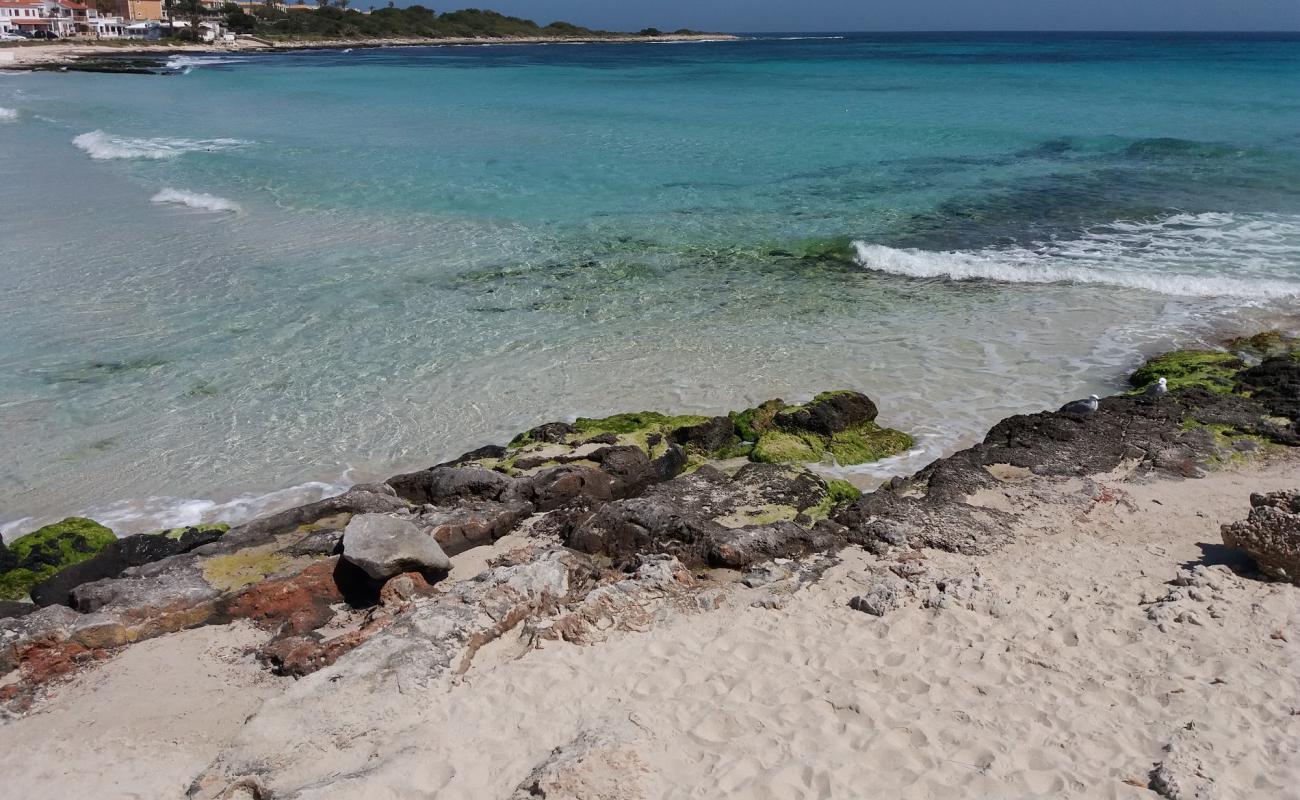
pixel 557 487
pixel 443 484
pixel 1275 384
pixel 829 413
pixel 488 451
pixel 706 517
pixel 327 542
pixel 552 432
pixel 670 464
pixel 129 551
pixel 707 437
pixel 369 498
pixel 603 438
pixel 10 608
pixel 463 527
pixel 880 599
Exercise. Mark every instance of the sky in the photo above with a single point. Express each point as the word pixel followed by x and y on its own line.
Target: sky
pixel 892 15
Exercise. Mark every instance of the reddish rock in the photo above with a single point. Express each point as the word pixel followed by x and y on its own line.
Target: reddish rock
pixel 302 655
pixel 292 605
pixel 402 589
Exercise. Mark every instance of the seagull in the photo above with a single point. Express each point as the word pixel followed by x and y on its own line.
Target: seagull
pixel 1081 406
pixel 1158 388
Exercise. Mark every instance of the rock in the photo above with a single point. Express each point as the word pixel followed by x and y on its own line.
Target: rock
pixel 402 589
pixel 41 553
pixel 552 432
pixel 368 498
pixel 712 436
pixel 557 487
pixel 1213 370
pixel 764 574
pixel 597 764
pixel 130 551
pixel 829 413
pixel 882 598
pixel 11 608
pixel 706 517
pixel 383 546
pixel 471 525
pixel 292 605
pixel 1270 534
pixel 326 542
pixel 451 484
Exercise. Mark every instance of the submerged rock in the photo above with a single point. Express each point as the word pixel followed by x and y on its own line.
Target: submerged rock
pixel 384 546
pixel 1271 534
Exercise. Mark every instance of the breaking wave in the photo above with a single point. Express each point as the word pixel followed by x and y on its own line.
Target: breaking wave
pixel 1189 255
pixel 203 202
pixel 100 145
pixel 8 114
pixel 155 513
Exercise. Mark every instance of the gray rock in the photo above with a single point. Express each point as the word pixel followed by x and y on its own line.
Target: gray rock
pixel 384 546
pixel 1271 534
pixel 882 598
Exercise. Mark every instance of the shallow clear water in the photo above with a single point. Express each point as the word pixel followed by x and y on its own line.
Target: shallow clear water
pixel 298 270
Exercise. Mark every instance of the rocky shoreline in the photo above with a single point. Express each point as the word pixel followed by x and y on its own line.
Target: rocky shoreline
pixel 150 58
pixel 611 525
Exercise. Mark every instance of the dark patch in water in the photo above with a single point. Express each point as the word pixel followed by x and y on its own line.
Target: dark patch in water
pixel 1168 147
pixel 1048 149
pixel 100 371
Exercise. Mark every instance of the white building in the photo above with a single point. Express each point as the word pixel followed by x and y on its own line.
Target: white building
pixel 60 17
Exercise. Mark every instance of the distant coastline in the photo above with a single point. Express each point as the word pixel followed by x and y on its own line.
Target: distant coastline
pixel 46 55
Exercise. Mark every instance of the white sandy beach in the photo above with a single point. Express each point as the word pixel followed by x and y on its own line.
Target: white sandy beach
pixel 1065 674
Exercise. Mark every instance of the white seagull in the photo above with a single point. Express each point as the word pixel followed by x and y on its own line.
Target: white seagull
pixel 1158 388
pixel 1081 406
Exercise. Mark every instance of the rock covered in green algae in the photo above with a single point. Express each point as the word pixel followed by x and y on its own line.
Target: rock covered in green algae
pixel 41 553
pixel 837 425
pixel 1213 370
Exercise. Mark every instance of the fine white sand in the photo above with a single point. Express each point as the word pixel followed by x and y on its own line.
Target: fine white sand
pixel 1056 679
pixel 141 726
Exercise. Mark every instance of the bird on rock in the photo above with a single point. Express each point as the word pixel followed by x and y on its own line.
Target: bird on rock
pixel 1158 388
pixel 1081 406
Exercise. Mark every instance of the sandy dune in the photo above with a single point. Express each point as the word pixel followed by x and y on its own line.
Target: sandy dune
pixel 1065 670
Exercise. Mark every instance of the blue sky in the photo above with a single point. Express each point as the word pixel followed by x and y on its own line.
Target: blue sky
pixel 883 15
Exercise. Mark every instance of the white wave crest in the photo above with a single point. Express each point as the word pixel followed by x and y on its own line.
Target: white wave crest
pixel 154 513
pixel 182 62
pixel 1188 255
pixel 203 202
pixel 100 145
pixel 8 114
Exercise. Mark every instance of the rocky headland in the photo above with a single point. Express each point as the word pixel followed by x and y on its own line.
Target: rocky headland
pixel 589 590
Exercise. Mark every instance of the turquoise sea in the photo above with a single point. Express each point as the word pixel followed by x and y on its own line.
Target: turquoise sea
pixel 272 275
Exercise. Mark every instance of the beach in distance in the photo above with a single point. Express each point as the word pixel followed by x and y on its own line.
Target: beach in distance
pixel 642 416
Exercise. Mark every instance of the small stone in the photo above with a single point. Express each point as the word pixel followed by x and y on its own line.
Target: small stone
pixel 878 601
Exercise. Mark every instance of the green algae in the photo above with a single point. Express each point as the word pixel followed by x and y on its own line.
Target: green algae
pixel 841 491
pixel 752 423
pixel 858 445
pixel 1226 440
pixel 783 447
pixel 176 533
pixel 43 552
pixel 635 422
pixel 758 515
pixel 237 570
pixel 1213 370
pixel 868 442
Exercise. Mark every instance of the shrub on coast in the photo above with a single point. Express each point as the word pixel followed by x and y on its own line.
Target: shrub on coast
pixel 43 552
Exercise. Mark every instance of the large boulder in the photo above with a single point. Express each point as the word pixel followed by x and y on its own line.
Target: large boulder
pixel 836 425
pixel 130 551
pixel 41 553
pixel 383 546
pixel 1270 534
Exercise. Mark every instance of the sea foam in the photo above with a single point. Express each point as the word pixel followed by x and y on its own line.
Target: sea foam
pixel 8 114
pixel 100 145
pixel 203 202
pixel 1187 255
